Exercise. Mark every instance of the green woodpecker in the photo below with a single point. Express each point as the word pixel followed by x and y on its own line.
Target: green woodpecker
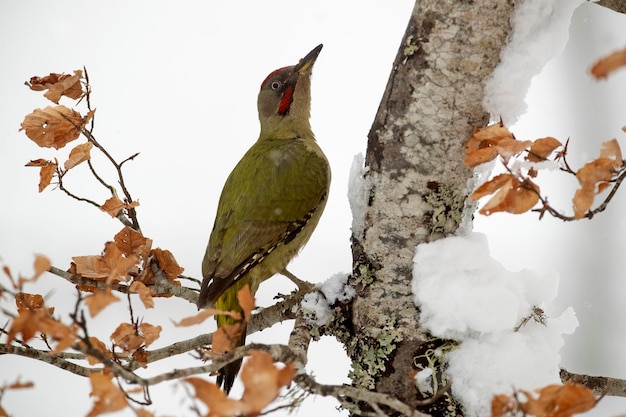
pixel 270 203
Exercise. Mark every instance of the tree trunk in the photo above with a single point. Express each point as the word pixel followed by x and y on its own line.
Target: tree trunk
pixel 418 183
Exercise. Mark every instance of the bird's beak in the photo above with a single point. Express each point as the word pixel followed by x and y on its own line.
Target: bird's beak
pixel 307 62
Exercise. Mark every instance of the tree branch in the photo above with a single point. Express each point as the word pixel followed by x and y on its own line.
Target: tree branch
pixel 618 6
pixel 44 356
pixel 600 385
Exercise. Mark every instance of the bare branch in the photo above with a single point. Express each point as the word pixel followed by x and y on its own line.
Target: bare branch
pixel 618 6
pixel 163 286
pixel 59 361
pixel 347 394
pixel 600 385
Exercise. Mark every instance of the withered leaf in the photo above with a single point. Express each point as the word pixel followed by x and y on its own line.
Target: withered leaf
pixel 48 169
pixel 58 85
pixel 53 127
pixel 202 315
pixel 246 301
pixel 542 148
pixel 559 400
pixel 100 299
pixel 167 263
pixel 80 153
pixel 595 175
pixel 109 397
pixel 511 195
pixel 604 66
pixel 145 293
pixel 130 241
pixel 113 206
pixel 263 380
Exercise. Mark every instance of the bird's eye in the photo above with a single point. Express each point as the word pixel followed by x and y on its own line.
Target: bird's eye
pixel 276 85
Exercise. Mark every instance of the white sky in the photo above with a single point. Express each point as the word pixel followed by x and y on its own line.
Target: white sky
pixel 178 83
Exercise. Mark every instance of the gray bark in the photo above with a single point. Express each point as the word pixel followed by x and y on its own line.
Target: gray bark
pixel 419 183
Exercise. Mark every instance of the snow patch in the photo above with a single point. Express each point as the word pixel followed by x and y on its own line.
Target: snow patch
pixel 359 186
pixel 540 29
pixel 336 288
pixel 466 295
pixel 316 305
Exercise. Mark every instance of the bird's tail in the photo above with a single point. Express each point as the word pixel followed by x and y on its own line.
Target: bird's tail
pixel 234 329
pixel 228 373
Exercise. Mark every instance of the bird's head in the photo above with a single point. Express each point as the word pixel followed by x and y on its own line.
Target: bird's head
pixel 285 99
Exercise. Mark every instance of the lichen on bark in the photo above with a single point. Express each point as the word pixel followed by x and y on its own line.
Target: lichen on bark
pixel 419 183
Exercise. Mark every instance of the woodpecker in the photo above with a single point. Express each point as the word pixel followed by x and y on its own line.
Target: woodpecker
pixel 271 201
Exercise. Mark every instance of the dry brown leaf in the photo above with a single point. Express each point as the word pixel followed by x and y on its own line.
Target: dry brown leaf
pixel 489 142
pixel 130 241
pixel 90 266
pixel 216 400
pixel 42 264
pixel 46 173
pixel 99 346
pixel 595 175
pixel 25 301
pixel 263 380
pixel 143 413
pixel 113 206
pixel 117 263
pixel 149 332
pixel 100 299
pixel 501 405
pixel 610 149
pixel 204 314
pixel 140 356
pixel 542 148
pixel 246 301
pixel 511 195
pixel 80 153
pixel 129 338
pixel 58 85
pixel 145 293
pixel 53 127
pixel 33 317
pixel 126 337
pixel 167 263
pixel 109 397
pixel 226 337
pixel 604 66
pixel 559 400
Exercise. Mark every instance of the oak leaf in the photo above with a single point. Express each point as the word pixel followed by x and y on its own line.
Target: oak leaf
pixel 216 400
pixel 246 301
pixel 58 85
pixel 80 153
pixel 53 127
pixel 100 299
pixel 226 338
pixel 604 66
pixel 559 400
pixel 109 397
pixel 48 169
pixel 98 345
pixel 90 266
pixel 202 315
pixel 491 141
pixel 113 206
pixel 145 293
pixel 542 148
pixel 511 195
pixel 130 241
pixel 594 176
pixel 126 337
pixel 263 380
pixel 167 263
